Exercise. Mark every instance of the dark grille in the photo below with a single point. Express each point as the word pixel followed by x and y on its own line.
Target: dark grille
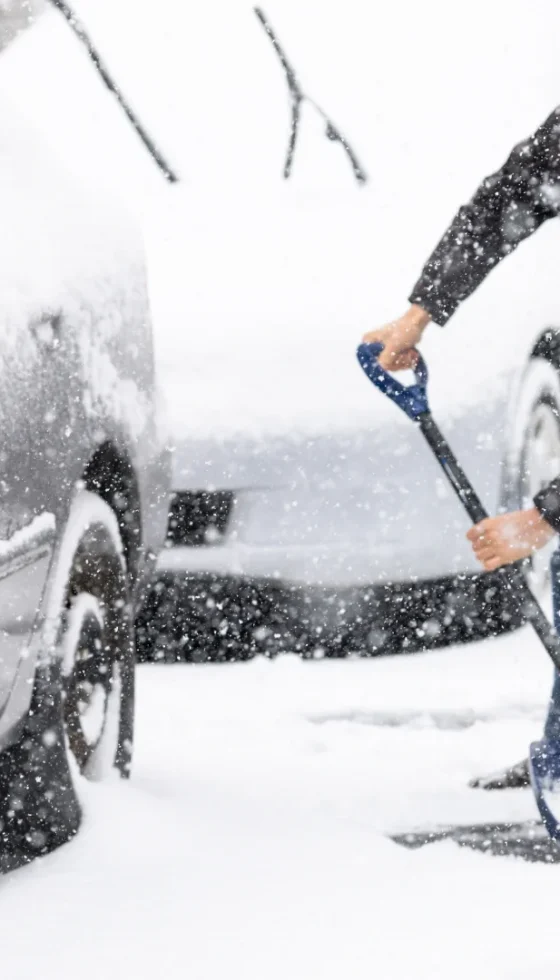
pixel 212 617
pixel 199 518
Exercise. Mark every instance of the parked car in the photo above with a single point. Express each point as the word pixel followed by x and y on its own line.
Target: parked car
pixel 307 514
pixel 83 488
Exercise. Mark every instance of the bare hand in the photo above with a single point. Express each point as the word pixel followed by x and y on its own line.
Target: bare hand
pixel 399 339
pixel 507 538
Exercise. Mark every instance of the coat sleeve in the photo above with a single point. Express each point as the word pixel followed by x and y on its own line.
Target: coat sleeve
pixel 547 501
pixel 507 208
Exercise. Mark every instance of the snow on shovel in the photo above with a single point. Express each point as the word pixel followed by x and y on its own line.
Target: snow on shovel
pixel 544 756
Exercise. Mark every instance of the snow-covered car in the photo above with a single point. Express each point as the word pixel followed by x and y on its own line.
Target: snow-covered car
pixel 84 488
pixel 307 512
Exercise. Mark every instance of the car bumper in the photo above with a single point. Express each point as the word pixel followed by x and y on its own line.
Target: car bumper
pixel 333 511
pixel 214 616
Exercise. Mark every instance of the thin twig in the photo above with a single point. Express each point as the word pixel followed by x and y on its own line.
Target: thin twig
pixel 82 35
pixel 298 96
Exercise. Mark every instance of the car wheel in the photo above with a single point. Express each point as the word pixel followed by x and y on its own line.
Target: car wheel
pixel 538 441
pixel 97 646
pixel 80 721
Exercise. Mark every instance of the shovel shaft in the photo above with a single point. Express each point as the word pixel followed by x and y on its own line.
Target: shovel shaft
pixel 453 471
pixel 521 596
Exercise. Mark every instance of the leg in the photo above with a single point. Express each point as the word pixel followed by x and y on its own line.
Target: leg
pixel 552 723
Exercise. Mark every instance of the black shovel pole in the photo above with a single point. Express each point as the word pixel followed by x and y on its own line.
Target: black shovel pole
pixel 414 402
pixel 521 595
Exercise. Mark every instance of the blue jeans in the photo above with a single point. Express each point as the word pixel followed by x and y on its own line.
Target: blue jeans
pixel 552 723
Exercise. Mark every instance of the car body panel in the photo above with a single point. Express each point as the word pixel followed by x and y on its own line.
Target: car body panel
pixel 321 511
pixel 76 372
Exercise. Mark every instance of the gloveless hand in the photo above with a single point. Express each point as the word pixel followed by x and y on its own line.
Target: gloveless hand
pixel 399 339
pixel 510 537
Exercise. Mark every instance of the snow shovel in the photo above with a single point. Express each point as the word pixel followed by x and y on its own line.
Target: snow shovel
pixel 413 401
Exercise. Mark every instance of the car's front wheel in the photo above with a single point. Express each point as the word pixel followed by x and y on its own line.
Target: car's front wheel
pixel 80 721
pixel 537 451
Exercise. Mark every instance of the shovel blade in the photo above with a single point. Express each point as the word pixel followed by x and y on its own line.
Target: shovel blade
pixel 544 768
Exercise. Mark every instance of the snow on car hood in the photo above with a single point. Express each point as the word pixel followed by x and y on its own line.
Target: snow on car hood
pixel 259 316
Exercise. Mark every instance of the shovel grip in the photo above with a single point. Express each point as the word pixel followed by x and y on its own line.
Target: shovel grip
pixel 411 399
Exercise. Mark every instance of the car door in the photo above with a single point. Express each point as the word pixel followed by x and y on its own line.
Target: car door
pixel 26 525
pixel 35 393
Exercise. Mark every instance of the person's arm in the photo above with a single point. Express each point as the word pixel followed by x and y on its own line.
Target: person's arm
pixel 547 502
pixel 507 208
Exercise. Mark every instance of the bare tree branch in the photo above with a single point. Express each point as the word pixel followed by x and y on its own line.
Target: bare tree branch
pixel 84 38
pixel 298 96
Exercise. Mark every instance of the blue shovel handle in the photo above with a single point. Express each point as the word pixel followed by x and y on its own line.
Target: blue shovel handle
pixel 411 399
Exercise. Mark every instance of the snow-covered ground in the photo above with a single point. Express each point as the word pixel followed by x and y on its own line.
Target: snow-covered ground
pixel 252 841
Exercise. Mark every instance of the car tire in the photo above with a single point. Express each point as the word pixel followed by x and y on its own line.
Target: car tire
pixel 80 721
pixel 536 452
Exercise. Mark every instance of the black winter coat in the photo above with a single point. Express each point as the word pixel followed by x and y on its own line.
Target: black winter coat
pixel 507 208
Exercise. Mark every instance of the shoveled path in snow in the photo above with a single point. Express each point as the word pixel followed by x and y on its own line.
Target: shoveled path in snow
pixel 251 842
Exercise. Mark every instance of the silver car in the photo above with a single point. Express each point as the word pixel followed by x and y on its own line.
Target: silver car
pixel 83 488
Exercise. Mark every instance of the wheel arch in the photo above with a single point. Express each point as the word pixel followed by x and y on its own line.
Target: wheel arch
pixel 110 474
pixel 547 346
